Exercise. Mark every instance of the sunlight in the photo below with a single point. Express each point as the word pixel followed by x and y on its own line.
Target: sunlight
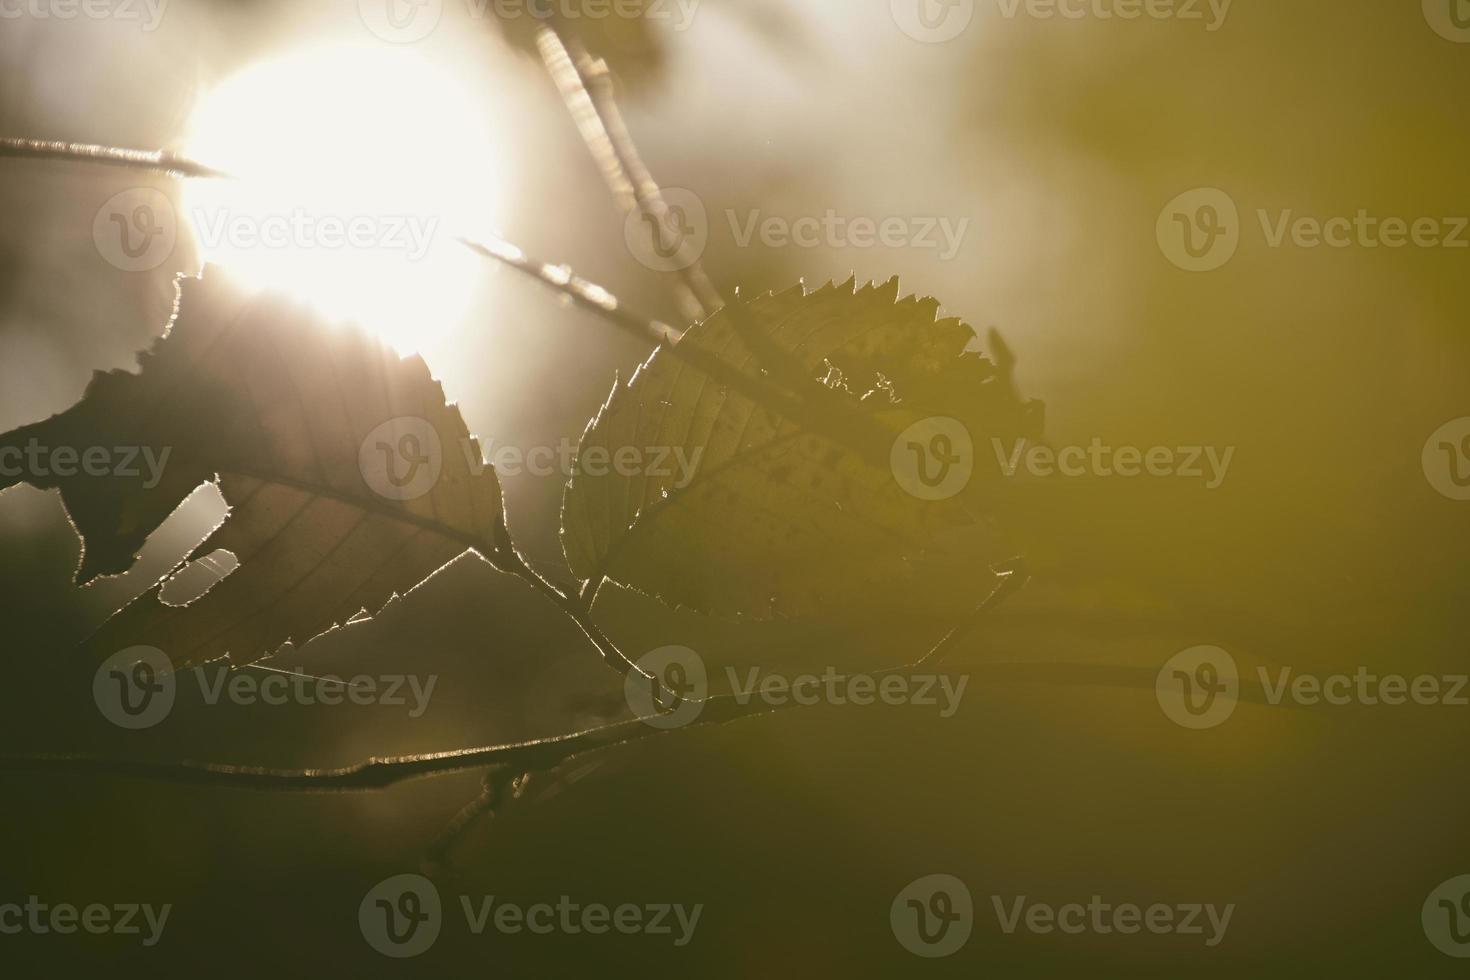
pixel 360 166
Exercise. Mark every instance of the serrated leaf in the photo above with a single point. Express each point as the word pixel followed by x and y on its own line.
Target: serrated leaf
pixel 781 519
pixel 277 406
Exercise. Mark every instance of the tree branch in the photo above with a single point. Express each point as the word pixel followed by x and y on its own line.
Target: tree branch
pixel 534 756
pixel 157 161
pixel 842 424
pixel 586 88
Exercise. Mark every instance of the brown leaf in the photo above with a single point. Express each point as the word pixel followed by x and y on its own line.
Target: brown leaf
pixel 348 476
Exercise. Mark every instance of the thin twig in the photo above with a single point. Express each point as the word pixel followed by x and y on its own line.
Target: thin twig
pixel 535 756
pixel 587 295
pixel 843 424
pixel 157 161
pixel 508 558
pixel 586 88
pixel 493 796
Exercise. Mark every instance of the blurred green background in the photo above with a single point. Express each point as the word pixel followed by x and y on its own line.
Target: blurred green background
pixel 1061 141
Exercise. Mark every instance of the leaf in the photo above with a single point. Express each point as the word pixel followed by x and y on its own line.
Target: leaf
pixel 298 422
pixel 780 520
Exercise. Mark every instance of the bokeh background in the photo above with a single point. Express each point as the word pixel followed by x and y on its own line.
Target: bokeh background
pixel 1326 548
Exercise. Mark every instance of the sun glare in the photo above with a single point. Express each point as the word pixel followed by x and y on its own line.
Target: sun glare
pixel 358 167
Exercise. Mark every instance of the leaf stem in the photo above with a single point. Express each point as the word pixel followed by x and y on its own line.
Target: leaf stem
pixel 507 558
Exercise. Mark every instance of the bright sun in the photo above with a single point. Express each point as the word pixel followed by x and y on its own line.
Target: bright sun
pixel 359 168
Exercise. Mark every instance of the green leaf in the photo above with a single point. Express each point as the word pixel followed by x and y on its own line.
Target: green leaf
pixel 782 518
pixel 298 422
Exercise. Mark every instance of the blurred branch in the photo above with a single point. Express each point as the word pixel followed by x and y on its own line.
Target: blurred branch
pixel 585 294
pixel 157 161
pixel 498 788
pixel 582 293
pixel 586 87
pixel 521 757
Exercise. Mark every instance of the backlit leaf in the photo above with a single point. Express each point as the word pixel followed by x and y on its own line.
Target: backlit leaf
pixel 349 479
pixel 779 519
